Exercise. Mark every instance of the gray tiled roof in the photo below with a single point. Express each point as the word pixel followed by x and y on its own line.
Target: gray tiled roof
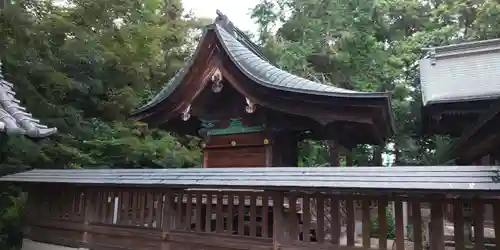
pixel 262 71
pixel 254 64
pixel 461 72
pixel 458 178
pixel 14 119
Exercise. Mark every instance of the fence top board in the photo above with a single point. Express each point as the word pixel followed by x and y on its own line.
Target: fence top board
pixel 429 178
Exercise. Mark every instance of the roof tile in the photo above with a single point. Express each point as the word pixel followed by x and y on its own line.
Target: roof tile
pixel 14 119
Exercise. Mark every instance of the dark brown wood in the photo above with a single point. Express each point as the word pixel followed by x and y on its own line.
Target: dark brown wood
pixel 195 86
pixel 208 216
pixel 230 214
pixel 142 208
pixel 398 212
pixel 382 222
pixel 158 203
pixel 91 234
pixel 199 212
pixel 417 225
pixel 265 215
pixel 189 210
pixel 478 219
pixel 119 211
pixel 125 216
pixel 278 220
pixel 292 217
pixel 219 215
pixel 179 210
pixel 437 228
pixel 496 222
pixel 350 222
pixel 320 218
pixel 253 215
pixel 104 208
pixel 236 157
pixel 168 212
pixel 366 222
pixel 306 217
pixel 335 222
pixel 87 215
pixel 241 215
pixel 135 207
pixel 458 221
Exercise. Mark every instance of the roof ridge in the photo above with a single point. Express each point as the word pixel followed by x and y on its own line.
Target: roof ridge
pixel 243 38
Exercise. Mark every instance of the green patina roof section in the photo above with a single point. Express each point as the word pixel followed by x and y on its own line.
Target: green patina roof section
pixel 250 59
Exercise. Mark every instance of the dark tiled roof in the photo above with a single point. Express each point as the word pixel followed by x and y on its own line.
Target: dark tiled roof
pixel 14 119
pixel 461 72
pixel 452 178
pixel 249 58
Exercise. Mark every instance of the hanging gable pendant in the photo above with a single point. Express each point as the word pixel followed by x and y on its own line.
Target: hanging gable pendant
pixel 186 113
pixel 250 108
pixel 217 81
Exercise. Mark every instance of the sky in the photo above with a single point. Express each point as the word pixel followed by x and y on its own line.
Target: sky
pixel 238 11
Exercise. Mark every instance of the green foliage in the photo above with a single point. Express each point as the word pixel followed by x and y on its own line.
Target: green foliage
pixel 374 46
pixel 391 226
pixel 83 67
pixel 11 218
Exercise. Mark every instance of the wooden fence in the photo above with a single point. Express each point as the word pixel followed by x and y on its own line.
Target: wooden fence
pixel 194 219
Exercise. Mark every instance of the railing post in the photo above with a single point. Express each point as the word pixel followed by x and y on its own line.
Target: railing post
pixel 436 230
pixel 88 217
pixel 168 218
pixel 279 225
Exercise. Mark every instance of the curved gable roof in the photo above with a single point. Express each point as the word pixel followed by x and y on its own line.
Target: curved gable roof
pixel 248 57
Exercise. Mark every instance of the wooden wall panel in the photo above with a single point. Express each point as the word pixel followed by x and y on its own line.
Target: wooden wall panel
pixel 236 157
pixel 248 139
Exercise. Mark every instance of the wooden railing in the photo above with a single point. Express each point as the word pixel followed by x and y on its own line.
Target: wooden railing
pixel 159 218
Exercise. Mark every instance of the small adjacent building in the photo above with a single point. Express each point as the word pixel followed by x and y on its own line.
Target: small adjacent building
pixel 461 95
pixel 251 113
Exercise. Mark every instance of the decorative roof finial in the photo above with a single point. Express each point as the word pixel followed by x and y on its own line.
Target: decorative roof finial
pixel 224 21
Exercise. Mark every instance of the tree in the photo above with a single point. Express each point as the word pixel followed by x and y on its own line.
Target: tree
pixel 374 45
pixel 83 67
